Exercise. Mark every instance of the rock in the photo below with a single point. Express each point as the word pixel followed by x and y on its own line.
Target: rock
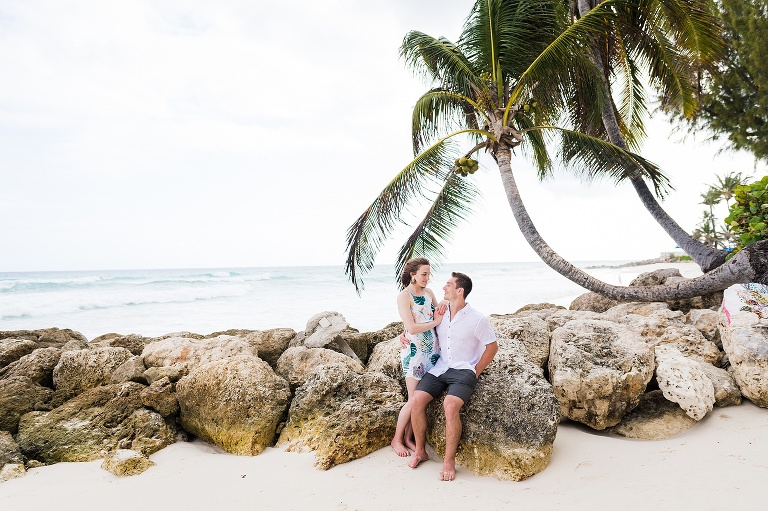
pixel 13 349
pixel 655 418
pixel 324 330
pixel 684 382
pixel 690 342
pixel 363 343
pixel 160 396
pixel 47 337
pixel 531 331
pixel 706 321
pixel 509 424
pixel 727 392
pixel 19 395
pixel 299 363
pixel 744 332
pixel 270 344
pixel 385 359
pixel 80 370
pixel 12 471
pixel 599 370
pixel 342 415
pixel 670 276
pixel 173 373
pixel 593 302
pixel 539 307
pixel 92 424
pixel 186 352
pixel 37 366
pixel 134 343
pixel 131 370
pixel 9 450
pixel 648 319
pixel 235 403
pixel 559 318
pixel 126 462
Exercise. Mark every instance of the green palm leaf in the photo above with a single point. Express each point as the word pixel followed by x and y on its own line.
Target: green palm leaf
pixel 440 61
pixel 439 111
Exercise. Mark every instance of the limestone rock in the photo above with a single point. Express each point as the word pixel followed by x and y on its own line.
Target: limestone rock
pixel 19 395
pixel 13 349
pixel 235 403
pixel 559 318
pixel 80 370
pixel 385 359
pixel 532 307
pixel 37 366
pixel 650 320
pixel 9 449
pixel 599 370
pixel 133 342
pixel 92 424
pixel 683 381
pixel 342 415
pixel 531 331
pixel 706 322
pixel 12 471
pixel 324 330
pixel 47 337
pixel 126 462
pixel 671 275
pixel 173 373
pixel 299 363
pixel 655 418
pixel 363 343
pixel 270 344
pixel 160 396
pixel 187 352
pixel 727 392
pixel 690 342
pixel 594 302
pixel 131 370
pixel 509 424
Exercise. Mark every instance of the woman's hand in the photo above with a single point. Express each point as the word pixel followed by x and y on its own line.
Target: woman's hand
pixel 404 340
pixel 442 307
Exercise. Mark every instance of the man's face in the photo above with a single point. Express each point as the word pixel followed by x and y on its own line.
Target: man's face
pixel 450 289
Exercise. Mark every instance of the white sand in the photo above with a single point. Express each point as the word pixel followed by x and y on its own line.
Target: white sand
pixel 721 463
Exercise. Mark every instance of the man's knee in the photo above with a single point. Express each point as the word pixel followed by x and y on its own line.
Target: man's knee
pixel 452 406
pixel 420 400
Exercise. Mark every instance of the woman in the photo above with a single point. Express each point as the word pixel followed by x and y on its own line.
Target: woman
pixel 416 305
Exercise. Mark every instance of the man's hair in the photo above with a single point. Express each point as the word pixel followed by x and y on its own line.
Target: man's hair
pixel 463 282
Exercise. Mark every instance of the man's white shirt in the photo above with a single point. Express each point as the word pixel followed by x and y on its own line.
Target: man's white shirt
pixel 462 340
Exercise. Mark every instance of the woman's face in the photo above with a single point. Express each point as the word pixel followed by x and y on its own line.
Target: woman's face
pixel 422 275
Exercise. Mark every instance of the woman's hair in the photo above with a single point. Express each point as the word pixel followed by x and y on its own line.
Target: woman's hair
pixel 411 266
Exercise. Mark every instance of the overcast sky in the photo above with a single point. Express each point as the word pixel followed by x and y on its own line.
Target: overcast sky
pixel 172 134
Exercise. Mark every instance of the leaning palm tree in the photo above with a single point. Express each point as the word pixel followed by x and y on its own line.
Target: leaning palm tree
pixel 488 95
pixel 662 43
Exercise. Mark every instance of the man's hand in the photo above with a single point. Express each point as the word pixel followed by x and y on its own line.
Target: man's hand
pixel 404 342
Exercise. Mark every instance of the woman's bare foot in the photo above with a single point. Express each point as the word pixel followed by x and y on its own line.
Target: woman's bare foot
pixel 448 473
pixel 410 443
pixel 417 459
pixel 400 449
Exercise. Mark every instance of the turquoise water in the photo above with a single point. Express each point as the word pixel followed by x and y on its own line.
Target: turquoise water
pixel 155 302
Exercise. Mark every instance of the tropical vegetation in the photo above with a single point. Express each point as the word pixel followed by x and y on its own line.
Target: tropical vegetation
pixel 749 213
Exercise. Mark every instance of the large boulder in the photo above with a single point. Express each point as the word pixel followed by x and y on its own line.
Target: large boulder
pixel 92 424
pixel 188 352
pixel 683 381
pixel 132 369
pixel 13 349
pixel 161 397
pixel 509 424
pixel 9 450
pixel 666 276
pixel 37 366
pixel 133 342
pixel 299 363
pixel 599 371
pixel 650 320
pixel 48 337
pixel 80 370
pixel 270 344
pixel 655 418
pixel 690 342
pixel 744 333
pixel 531 331
pixel 342 415
pixel 560 317
pixel 727 391
pixel 706 321
pixel 235 403
pixel 329 330
pixel 363 343
pixel 19 395
pixel 594 302
pixel 385 359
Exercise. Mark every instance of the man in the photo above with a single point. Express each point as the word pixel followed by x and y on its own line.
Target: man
pixel 467 346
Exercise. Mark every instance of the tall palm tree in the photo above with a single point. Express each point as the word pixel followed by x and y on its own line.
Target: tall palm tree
pixel 710 199
pixel 664 40
pixel 478 100
pixel 726 186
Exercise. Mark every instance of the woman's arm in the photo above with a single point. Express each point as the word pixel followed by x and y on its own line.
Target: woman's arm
pixel 404 308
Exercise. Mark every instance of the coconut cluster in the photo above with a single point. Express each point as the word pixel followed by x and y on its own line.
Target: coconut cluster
pixel 466 166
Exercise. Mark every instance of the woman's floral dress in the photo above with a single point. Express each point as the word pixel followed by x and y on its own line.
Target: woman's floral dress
pixel 424 350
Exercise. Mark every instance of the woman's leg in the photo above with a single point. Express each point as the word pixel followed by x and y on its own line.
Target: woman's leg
pixel 403 433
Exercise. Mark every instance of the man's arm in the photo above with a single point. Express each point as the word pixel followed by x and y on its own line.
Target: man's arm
pixel 488 354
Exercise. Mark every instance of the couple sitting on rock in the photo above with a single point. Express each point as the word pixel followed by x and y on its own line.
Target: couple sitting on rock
pixel 444 347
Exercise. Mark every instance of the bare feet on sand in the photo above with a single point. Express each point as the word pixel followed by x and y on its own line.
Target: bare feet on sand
pixel 410 443
pixel 400 449
pixel 448 473
pixel 417 458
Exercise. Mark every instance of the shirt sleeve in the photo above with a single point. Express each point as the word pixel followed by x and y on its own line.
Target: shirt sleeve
pixel 484 332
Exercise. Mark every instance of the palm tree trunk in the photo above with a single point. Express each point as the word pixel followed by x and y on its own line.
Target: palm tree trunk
pixel 708 258
pixel 749 265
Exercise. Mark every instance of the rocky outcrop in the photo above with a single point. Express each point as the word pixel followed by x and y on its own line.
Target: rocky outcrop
pixel 19 395
pixel 37 366
pixel 727 392
pixel 270 344
pixel 9 450
pixel 594 302
pixel 132 342
pixel 531 331
pixel 363 343
pixel 188 352
pixel 655 418
pixel 385 359
pixel 13 349
pixel 324 330
pixel 706 322
pixel 599 370
pixel 48 337
pixel 80 370
pixel 510 422
pixel 93 424
pixel 342 415
pixel 298 363
pixel 161 397
pixel 683 381
pixel 132 369
pixel 126 462
pixel 235 403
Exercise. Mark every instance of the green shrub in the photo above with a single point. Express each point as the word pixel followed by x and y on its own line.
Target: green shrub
pixel 749 213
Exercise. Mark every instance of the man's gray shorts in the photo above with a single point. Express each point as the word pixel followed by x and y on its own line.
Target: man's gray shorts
pixel 459 382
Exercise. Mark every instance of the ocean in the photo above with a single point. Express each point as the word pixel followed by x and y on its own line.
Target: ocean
pixel 156 302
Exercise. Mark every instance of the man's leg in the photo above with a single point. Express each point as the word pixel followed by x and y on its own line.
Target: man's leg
pixel 419 424
pixel 452 406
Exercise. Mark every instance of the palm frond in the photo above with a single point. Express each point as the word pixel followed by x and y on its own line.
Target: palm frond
pixel 439 60
pixel 431 236
pixel 439 111
pixel 632 109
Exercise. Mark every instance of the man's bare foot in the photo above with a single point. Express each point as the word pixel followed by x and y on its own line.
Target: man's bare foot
pixel 417 458
pixel 448 473
pixel 400 449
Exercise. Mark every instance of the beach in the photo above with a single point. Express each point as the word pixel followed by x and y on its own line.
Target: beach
pixel 718 463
